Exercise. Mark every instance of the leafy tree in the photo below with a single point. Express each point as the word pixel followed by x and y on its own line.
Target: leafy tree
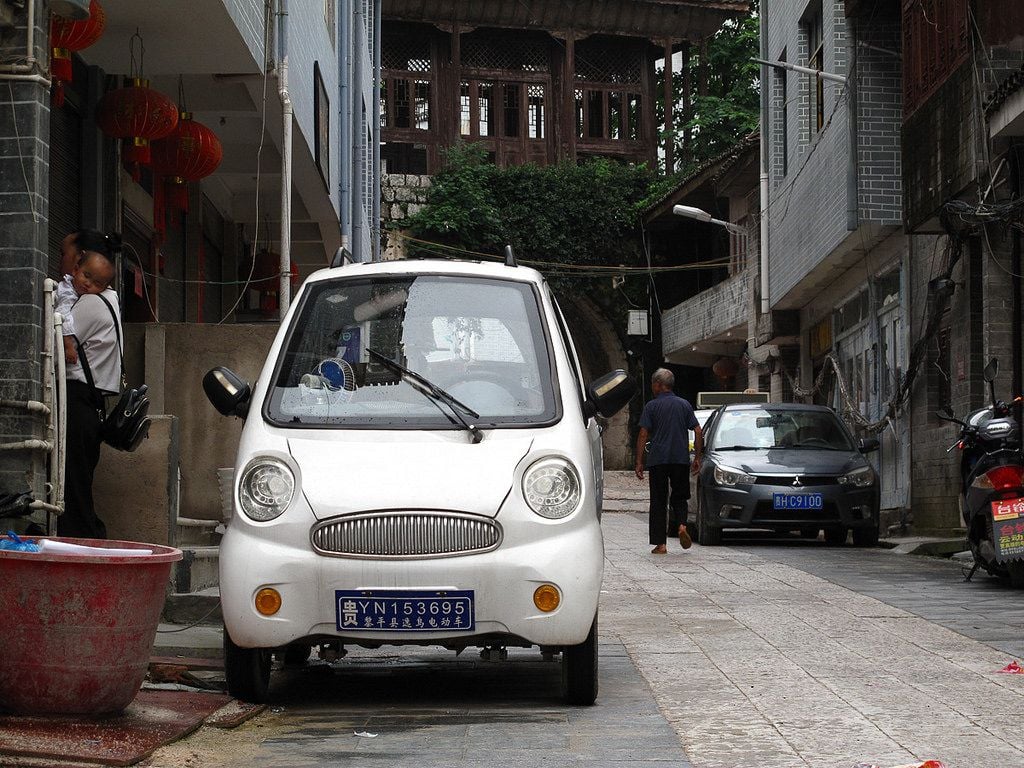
pixel 731 107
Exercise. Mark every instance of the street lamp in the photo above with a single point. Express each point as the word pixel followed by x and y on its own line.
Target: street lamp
pixel 689 212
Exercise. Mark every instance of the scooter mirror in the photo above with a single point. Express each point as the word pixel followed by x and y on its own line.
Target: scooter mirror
pixel 990 371
pixel 946 411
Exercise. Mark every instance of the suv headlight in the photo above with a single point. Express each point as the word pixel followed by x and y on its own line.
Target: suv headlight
pixel 859 478
pixel 730 476
pixel 266 489
pixel 552 488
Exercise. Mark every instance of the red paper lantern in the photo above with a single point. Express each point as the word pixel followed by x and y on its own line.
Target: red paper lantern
pixel 725 368
pixel 190 153
pixel 67 36
pixel 137 114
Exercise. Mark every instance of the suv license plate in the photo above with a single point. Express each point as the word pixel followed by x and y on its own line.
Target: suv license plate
pixel 404 611
pixel 797 501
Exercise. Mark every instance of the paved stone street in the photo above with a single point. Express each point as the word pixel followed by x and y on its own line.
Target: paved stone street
pixel 768 652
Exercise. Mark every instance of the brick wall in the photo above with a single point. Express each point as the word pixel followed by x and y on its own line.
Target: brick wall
pixel 248 17
pixel 879 115
pixel 808 206
pixel 707 314
pixel 24 177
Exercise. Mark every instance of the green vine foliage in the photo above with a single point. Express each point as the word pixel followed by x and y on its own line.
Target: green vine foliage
pixel 586 214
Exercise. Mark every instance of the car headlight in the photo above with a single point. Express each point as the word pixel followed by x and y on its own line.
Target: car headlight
pixel 266 489
pixel 730 476
pixel 552 488
pixel 859 478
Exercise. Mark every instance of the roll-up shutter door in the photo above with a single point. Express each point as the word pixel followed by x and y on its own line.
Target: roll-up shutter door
pixel 65 181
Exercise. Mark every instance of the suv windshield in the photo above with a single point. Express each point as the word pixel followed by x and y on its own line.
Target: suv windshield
pixel 769 428
pixel 480 340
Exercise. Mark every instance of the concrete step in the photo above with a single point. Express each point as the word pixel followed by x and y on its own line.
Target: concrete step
pixel 192 531
pixel 198 569
pixel 201 608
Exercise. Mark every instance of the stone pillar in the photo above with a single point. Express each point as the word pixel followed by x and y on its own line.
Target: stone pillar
pixel 788 361
pixel 24 180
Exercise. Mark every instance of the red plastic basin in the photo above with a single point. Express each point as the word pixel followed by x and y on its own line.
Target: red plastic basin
pixel 77 631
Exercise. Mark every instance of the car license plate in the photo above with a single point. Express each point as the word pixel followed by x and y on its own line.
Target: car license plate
pixel 797 501
pixel 404 611
pixel 1008 509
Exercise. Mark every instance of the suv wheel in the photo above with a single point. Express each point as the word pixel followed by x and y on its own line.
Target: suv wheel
pixel 707 534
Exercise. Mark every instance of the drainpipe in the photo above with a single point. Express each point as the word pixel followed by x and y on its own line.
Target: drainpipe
pixel 286 159
pixel 345 125
pixel 765 304
pixel 852 206
pixel 375 132
pixel 359 214
pixel 26 70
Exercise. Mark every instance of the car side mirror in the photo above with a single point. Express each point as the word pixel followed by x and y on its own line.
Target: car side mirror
pixel 868 444
pixel 227 391
pixel 609 394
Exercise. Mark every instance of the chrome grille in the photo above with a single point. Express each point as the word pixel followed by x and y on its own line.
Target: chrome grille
pixel 406 535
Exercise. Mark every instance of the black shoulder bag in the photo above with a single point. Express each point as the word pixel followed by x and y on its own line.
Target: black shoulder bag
pixel 127 425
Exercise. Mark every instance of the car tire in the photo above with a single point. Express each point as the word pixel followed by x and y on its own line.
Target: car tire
pixel 579 670
pixel 707 534
pixel 835 535
pixel 809 533
pixel 247 671
pixel 866 537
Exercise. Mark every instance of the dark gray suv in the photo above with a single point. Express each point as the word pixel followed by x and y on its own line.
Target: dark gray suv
pixel 786 467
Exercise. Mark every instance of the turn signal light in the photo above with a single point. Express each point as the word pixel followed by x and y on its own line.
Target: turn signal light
pixel 546 598
pixel 268 601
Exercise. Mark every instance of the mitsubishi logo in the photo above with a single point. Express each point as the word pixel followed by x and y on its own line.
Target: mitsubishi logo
pixel 796 482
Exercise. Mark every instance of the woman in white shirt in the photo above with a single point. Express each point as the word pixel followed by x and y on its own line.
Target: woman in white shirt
pixel 97 337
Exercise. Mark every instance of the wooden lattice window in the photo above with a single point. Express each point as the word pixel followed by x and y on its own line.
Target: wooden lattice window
pixel 407 87
pixel 502 109
pixel 935 43
pixel 608 91
pixel 498 53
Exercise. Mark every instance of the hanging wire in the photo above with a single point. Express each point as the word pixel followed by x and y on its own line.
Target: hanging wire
pixel 137 61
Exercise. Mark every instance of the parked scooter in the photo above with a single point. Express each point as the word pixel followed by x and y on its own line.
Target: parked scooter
pixel 992 484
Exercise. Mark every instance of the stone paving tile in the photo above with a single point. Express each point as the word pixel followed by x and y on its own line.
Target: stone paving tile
pixel 807 656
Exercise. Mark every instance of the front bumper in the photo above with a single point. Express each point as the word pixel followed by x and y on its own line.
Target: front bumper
pixel 751 506
pixel 570 557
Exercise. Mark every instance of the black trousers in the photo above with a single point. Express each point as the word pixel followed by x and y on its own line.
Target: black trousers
pixel 83 443
pixel 660 477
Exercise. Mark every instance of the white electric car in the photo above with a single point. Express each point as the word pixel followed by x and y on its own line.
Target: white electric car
pixel 420 464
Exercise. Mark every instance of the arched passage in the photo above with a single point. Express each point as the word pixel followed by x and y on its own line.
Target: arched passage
pixel 600 351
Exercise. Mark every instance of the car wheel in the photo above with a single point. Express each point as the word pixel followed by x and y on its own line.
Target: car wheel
pixel 247 671
pixel 809 533
pixel 835 535
pixel 579 670
pixel 707 534
pixel 866 537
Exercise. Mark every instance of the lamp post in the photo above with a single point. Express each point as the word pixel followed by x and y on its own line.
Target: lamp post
pixel 698 214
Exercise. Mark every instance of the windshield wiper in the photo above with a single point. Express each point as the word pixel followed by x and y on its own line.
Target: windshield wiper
pixel 811 446
pixel 736 448
pixel 434 393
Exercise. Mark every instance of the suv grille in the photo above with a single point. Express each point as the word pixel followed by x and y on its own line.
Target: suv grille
pixel 805 480
pixel 406 535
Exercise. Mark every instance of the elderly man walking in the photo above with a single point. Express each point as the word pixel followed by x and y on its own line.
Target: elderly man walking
pixel 665 422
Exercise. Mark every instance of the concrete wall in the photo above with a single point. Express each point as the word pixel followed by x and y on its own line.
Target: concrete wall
pixel 248 17
pixel 707 314
pixel 176 357
pixel 136 494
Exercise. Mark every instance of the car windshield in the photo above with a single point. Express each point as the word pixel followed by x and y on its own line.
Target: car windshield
pixel 769 428
pixel 480 340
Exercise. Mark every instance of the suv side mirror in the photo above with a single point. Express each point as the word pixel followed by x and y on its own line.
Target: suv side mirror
pixel 609 394
pixel 228 392
pixel 868 444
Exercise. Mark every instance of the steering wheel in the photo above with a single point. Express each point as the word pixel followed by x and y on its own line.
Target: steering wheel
pixel 815 441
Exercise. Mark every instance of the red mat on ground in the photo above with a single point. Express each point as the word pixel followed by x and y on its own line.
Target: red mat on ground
pixel 155 718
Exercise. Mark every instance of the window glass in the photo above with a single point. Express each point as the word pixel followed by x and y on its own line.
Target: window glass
pixel 481 340
pixel 771 428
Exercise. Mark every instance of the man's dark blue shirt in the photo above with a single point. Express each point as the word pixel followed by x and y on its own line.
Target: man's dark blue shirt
pixel 668 419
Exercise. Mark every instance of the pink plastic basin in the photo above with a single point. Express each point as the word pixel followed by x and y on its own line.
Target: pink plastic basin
pixel 77 631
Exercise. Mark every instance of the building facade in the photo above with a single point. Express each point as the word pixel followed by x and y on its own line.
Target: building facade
pixel 283 87
pixel 533 82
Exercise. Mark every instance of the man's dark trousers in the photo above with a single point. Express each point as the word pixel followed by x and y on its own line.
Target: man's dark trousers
pixel 659 477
